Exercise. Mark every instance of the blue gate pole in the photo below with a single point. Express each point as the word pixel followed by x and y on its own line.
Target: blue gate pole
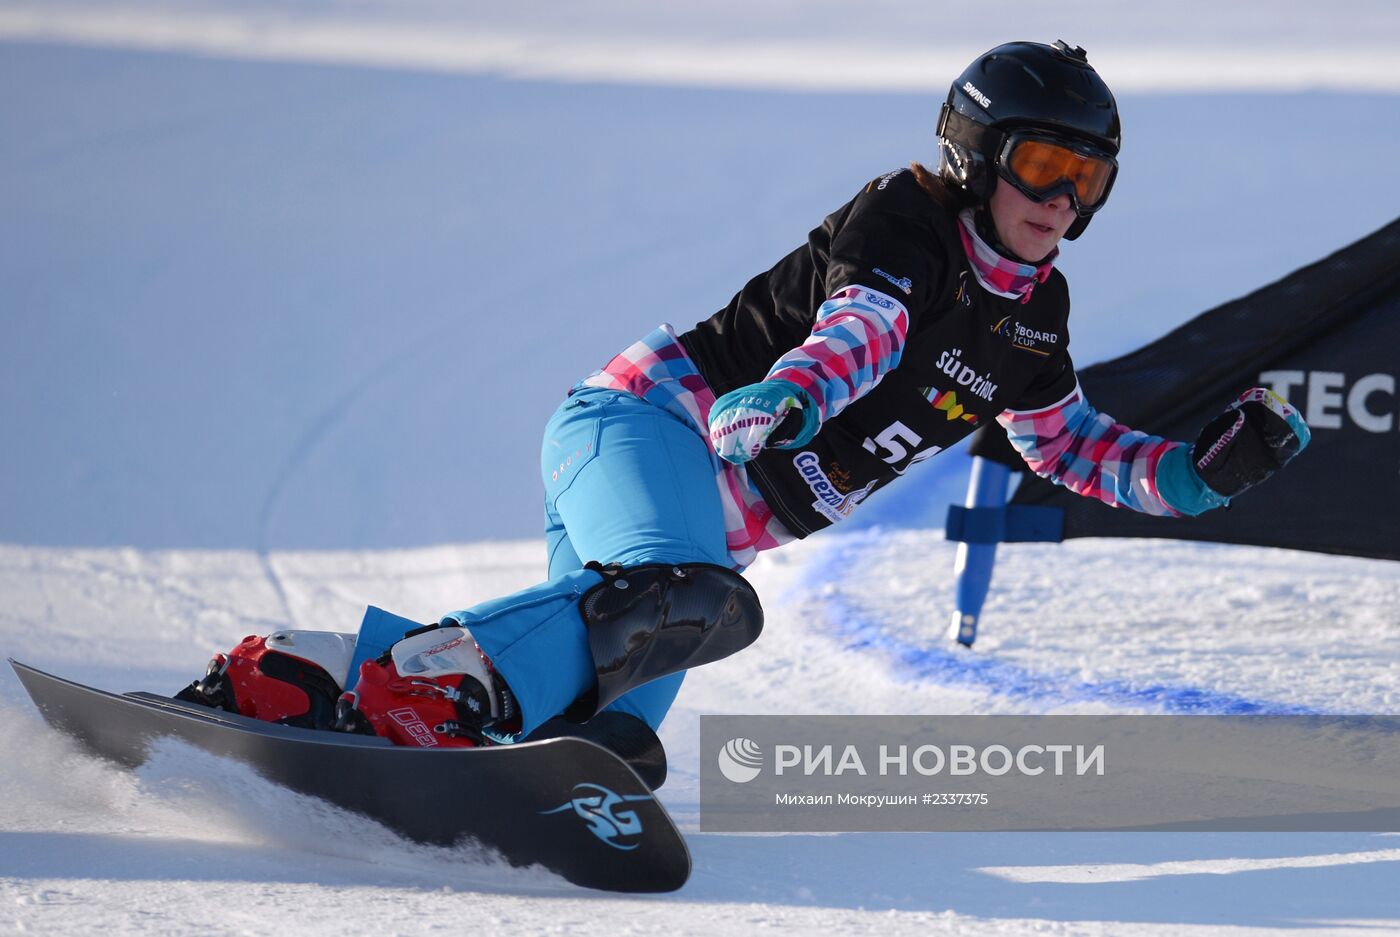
pixel 972 570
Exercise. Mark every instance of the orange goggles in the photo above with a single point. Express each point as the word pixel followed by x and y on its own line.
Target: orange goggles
pixel 1044 167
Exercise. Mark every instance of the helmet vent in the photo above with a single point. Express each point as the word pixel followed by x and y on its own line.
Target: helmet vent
pixel 1086 92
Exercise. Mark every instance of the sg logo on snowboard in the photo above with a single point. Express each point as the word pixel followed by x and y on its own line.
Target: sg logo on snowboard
pixel 620 829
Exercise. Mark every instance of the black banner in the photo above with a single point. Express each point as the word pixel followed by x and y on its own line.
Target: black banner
pixel 1326 337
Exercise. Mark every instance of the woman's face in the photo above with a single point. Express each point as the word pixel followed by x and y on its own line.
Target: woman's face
pixel 1030 229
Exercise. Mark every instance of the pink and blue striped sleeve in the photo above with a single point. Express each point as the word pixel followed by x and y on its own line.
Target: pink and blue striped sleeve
pixel 856 340
pixel 1072 444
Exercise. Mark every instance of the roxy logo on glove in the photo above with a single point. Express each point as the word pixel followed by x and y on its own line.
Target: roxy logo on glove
pixel 1258 434
pixel 1219 445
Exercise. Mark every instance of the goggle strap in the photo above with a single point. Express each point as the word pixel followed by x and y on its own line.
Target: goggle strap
pixel 957 128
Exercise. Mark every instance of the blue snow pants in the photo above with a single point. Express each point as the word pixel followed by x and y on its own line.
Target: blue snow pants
pixel 625 482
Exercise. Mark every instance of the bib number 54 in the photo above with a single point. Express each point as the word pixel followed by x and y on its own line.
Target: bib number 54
pixel 897 441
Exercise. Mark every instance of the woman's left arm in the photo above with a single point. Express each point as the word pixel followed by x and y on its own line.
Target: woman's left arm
pixel 1072 444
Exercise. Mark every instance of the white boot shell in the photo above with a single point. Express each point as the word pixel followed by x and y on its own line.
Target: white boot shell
pixel 332 651
pixel 444 652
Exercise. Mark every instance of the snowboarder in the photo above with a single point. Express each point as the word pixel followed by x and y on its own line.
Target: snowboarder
pixel 926 306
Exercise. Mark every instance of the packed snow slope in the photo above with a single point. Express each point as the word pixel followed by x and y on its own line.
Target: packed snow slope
pixel 288 291
pixel 189 845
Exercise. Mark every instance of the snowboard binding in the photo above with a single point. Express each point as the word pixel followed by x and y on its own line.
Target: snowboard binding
pixel 433 688
pixel 291 677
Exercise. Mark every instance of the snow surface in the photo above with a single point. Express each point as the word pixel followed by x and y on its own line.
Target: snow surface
pixel 190 844
pixel 283 290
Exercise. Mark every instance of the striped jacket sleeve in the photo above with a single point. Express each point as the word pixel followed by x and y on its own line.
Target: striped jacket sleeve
pixel 857 339
pixel 1072 444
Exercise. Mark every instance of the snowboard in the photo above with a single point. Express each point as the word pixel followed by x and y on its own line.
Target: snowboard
pixel 566 804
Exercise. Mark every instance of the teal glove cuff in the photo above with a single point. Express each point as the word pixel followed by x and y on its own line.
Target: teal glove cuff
pixel 1180 486
pixel 811 420
pixel 742 421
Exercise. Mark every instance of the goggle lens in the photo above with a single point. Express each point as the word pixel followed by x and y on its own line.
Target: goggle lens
pixel 1040 165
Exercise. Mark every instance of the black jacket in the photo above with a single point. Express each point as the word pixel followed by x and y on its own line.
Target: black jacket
pixel 968 355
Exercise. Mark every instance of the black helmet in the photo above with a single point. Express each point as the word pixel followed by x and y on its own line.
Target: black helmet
pixel 1031 91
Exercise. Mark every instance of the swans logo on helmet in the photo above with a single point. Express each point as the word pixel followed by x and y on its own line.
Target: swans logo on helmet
pixel 976 95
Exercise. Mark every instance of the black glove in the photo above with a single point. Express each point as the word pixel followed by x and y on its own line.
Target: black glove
pixel 1256 436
